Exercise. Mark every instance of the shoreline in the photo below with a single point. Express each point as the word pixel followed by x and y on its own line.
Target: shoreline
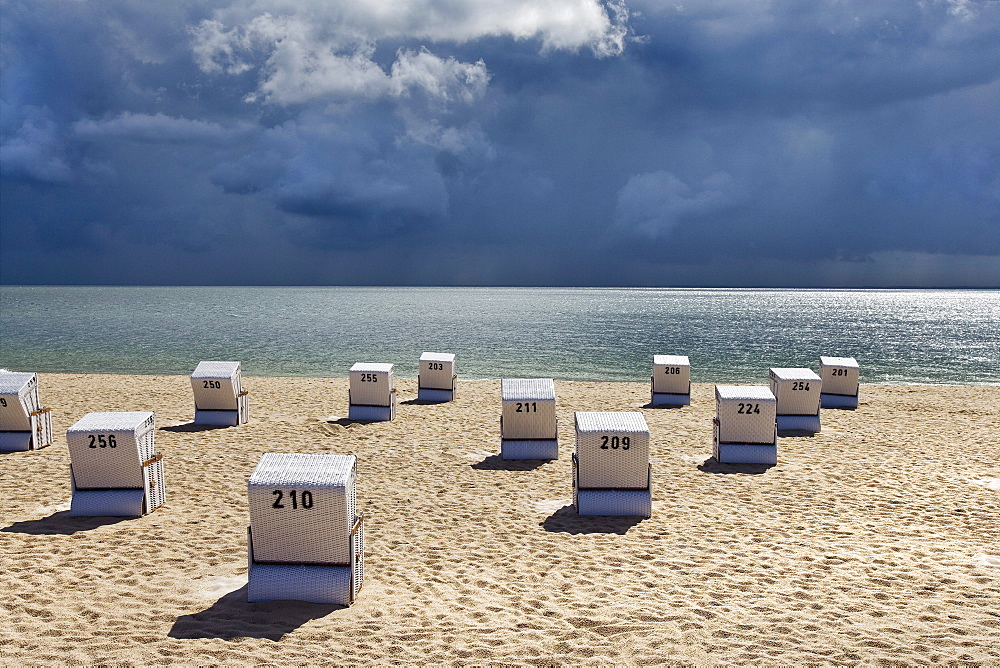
pixel 872 541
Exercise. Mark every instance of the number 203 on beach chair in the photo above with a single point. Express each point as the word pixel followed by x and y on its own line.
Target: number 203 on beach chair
pixel 24 424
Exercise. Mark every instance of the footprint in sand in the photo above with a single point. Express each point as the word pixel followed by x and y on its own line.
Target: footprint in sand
pixel 217 587
pixel 991 560
pixel 988 483
pixel 550 505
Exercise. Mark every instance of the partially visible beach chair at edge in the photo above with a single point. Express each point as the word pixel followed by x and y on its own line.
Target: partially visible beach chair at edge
pixel 24 423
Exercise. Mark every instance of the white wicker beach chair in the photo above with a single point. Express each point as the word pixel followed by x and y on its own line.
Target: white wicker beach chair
pixel 612 475
pixel 436 378
pixel 670 384
pixel 219 397
pixel 744 425
pixel 841 382
pixel 115 471
pixel 24 424
pixel 371 395
pixel 798 394
pixel 528 428
pixel 306 538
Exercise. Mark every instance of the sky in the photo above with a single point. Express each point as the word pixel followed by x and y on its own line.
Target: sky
pixel 815 143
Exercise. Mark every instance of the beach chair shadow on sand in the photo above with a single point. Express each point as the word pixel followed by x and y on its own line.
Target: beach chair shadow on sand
pixel 232 617
pixel 192 427
pixel 498 463
pixel 568 520
pixel 61 524
pixel 713 465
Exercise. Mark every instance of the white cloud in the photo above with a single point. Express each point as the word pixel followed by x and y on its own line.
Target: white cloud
pixel 159 128
pixel 313 50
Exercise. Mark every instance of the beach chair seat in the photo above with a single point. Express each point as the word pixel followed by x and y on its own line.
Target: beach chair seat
pixel 219 397
pixel 24 423
pixel 612 475
pixel 670 384
pixel 744 426
pixel 371 395
pixel 841 382
pixel 305 539
pixel 436 377
pixel 528 427
pixel 114 469
pixel 797 392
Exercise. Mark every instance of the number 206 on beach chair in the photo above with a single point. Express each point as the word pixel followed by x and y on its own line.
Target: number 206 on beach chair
pixel 115 471
pixel 24 424
pixel 219 397
pixel 306 539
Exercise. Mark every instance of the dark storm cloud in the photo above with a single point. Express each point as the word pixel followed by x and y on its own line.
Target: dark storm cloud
pixel 566 142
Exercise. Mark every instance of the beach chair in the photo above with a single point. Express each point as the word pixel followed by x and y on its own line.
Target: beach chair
pixel 371 395
pixel 744 425
pixel 219 397
pixel 114 469
pixel 797 392
pixel 612 475
pixel 436 377
pixel 841 382
pixel 670 384
pixel 528 428
pixel 306 539
pixel 24 424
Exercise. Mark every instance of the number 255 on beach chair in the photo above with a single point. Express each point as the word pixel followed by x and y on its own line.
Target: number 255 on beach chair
pixel 371 395
pixel 219 397
pixel 115 471
pixel 24 424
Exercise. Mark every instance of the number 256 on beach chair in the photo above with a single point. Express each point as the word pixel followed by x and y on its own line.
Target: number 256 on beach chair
pixel 24 424
pixel 115 471
pixel 219 397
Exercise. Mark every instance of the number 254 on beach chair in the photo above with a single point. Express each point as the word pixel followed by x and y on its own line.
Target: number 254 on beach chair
pixel 219 397
pixel 24 424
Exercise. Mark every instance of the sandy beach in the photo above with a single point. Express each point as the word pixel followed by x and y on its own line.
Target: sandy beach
pixel 876 540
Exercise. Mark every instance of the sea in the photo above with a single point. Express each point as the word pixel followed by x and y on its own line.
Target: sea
pixel 595 334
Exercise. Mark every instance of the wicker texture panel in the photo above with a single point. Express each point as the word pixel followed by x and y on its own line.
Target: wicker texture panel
pixel 528 408
pixel 118 467
pixel 530 449
pixel 840 375
pixel 745 413
pixel 605 459
pixel 319 534
pixel 661 399
pixel 789 424
pixel 371 384
pixel 19 391
pixel 108 503
pixel 671 374
pixel 216 386
pixel 614 502
pixel 797 391
pixel 747 453
pixel 16 441
pixel 373 413
pixel 439 396
pixel 437 371
pixel 837 401
pixel 330 585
